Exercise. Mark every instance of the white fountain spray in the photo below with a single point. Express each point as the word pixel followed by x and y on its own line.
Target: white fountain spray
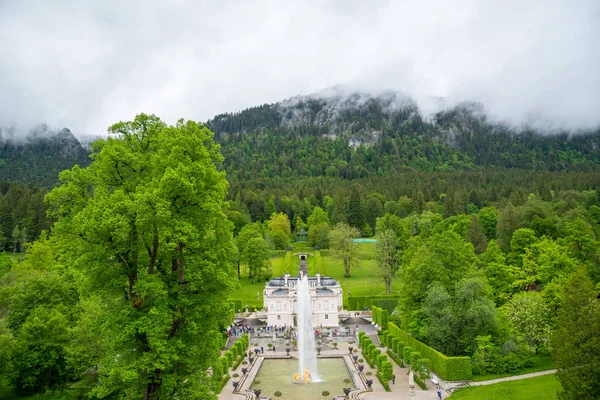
pixel 306 335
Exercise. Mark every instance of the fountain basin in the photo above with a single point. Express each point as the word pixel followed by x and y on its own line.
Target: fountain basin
pixel 274 375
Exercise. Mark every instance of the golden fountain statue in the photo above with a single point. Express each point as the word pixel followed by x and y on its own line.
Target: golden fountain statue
pixel 298 379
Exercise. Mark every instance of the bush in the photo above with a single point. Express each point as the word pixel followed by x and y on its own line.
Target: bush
pixel 381 358
pixel 415 356
pixel 420 382
pixel 406 354
pixel 425 367
pixel 383 381
pixel 387 370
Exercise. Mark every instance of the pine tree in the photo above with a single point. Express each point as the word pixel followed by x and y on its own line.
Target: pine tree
pixel 355 210
pixel 576 341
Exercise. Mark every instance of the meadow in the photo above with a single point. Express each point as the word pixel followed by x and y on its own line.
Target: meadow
pixel 543 387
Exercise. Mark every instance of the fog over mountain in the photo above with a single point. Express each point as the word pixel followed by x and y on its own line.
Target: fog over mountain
pixel 85 65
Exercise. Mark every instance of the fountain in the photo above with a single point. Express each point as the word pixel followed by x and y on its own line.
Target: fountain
pixel 307 355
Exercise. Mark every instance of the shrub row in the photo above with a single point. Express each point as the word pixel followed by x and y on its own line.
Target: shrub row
pixel 231 358
pixel 361 302
pixel 318 262
pixel 383 381
pixel 380 317
pixel 287 262
pixel 448 368
pixel 373 356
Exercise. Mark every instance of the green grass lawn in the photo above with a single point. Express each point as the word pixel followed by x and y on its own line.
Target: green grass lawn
pixel 541 362
pixel 538 388
pixel 363 279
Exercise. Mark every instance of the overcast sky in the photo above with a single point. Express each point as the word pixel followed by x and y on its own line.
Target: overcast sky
pixel 87 64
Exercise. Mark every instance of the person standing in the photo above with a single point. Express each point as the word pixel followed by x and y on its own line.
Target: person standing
pixel 393 379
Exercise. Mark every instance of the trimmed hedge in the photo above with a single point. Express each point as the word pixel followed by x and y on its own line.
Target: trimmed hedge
pixel 380 317
pixel 287 262
pixel 318 262
pixel 388 305
pixel 357 303
pixel 396 358
pixel 236 304
pixel 420 382
pixel 448 368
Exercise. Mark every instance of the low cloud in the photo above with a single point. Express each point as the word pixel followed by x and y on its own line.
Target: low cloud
pixel 85 64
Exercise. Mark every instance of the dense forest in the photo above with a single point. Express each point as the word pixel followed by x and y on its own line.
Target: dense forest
pixel 483 221
pixel 359 136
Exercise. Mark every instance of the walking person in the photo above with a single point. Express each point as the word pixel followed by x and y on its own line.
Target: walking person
pixel 393 379
pixel 439 393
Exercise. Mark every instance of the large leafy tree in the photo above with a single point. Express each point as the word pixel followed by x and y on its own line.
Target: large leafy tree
pixel 248 232
pixel 145 225
pixel 341 240
pixel 576 341
pixel 529 315
pixel 453 321
pixel 258 256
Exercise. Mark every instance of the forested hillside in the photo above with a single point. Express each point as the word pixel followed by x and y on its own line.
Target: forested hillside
pixel 358 136
pixel 39 156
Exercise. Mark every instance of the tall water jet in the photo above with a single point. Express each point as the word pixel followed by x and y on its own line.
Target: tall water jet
pixel 306 337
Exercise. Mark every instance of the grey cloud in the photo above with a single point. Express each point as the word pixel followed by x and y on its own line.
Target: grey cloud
pixel 87 64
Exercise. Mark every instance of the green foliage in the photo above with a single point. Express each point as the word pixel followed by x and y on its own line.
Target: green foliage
pixel 387 304
pixel 40 157
pixel 40 350
pixel 236 304
pixel 258 256
pixel 529 315
pixel 523 389
pixel 381 358
pixel 388 255
pixel 362 302
pixel 152 240
pixel 448 368
pixel 287 262
pixel 318 235
pixel 384 381
pixel 413 360
pixel 343 246
pixel 576 341
pixel 319 268
pixel 419 381
pixel 455 320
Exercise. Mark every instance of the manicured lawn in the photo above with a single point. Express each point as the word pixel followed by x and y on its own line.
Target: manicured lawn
pixel 541 362
pixel 538 388
pixel 363 279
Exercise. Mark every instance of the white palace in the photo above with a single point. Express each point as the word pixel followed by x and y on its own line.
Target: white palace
pixel 280 299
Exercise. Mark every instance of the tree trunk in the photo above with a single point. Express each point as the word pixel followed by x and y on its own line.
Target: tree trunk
pixel 153 386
